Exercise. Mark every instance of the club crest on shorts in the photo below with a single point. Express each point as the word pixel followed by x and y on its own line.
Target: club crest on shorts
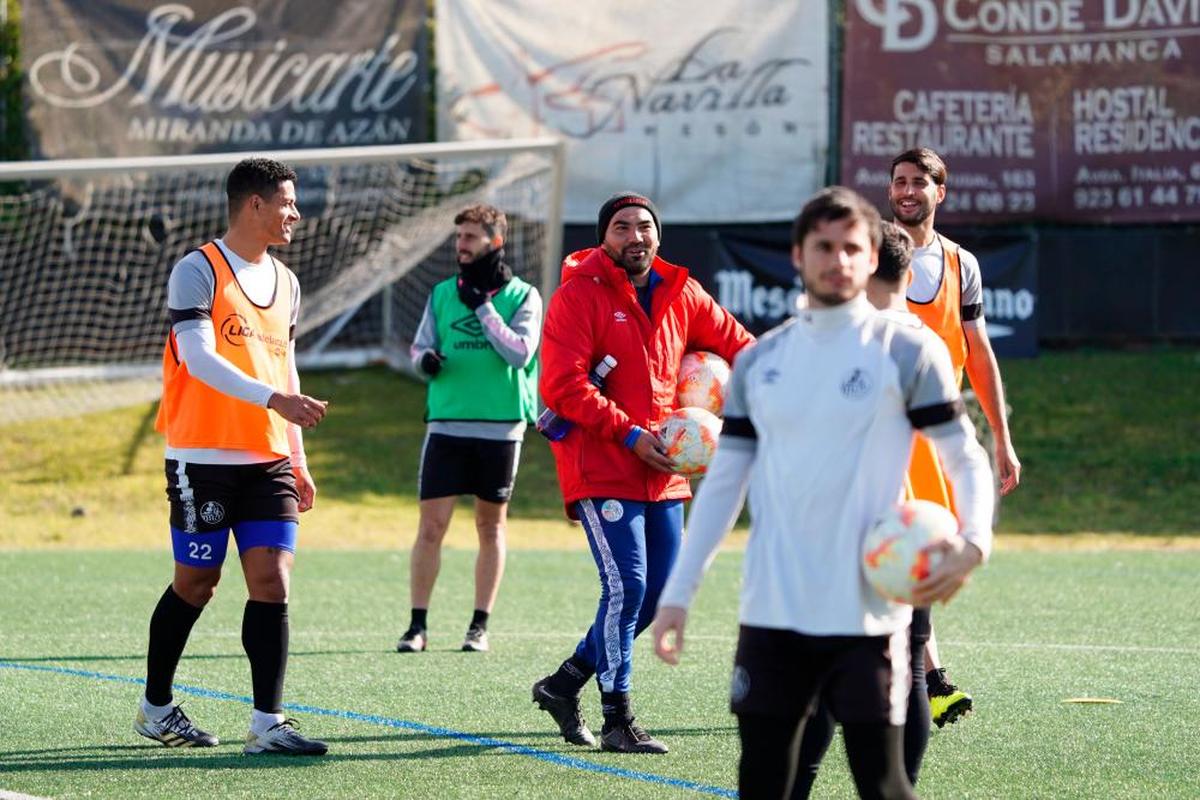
pixel 740 686
pixel 612 510
pixel 212 512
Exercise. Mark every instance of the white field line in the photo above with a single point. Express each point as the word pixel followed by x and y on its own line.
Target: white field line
pixel 7 795
pixel 375 636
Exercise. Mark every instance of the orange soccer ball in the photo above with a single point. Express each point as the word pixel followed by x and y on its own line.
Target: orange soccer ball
pixel 689 436
pixel 702 379
pixel 894 554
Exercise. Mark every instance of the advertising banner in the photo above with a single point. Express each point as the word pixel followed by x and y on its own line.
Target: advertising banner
pixel 1063 110
pixel 754 280
pixel 137 77
pixel 718 111
pixel 752 276
pixel 1008 264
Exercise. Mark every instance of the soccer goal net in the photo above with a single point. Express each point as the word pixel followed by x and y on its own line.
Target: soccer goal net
pixel 86 247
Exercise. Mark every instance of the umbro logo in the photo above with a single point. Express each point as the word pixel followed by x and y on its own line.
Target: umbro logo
pixel 771 375
pixel 857 384
pixel 620 316
pixel 468 325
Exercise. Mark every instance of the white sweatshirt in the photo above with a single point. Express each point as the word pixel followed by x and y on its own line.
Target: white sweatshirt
pixel 820 415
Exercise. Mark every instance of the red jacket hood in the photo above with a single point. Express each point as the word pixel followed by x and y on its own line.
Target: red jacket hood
pixel 593 262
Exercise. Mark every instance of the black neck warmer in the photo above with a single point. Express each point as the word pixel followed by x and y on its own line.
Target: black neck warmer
pixel 488 272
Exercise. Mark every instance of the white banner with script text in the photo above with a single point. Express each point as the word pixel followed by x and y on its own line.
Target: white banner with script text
pixel 717 111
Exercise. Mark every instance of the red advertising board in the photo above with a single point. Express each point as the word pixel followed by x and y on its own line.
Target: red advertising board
pixel 1063 110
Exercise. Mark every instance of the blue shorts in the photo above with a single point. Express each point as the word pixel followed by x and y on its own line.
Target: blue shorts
pixel 257 502
pixel 208 549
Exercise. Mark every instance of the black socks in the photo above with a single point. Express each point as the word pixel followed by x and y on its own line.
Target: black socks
pixel 170 625
pixel 420 618
pixel 265 639
pixel 617 711
pixel 935 681
pixel 570 677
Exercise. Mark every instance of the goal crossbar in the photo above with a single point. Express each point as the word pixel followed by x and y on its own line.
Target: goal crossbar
pixel 85 167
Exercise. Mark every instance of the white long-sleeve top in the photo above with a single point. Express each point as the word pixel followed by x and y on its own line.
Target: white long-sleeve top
pixel 820 416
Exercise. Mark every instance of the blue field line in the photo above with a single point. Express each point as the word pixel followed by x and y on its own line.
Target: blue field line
pixel 391 722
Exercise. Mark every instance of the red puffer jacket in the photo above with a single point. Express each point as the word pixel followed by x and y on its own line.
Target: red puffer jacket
pixel 595 313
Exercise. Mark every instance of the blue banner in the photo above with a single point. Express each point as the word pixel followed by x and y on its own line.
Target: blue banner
pixel 754 279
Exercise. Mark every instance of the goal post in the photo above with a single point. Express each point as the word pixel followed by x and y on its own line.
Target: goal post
pixel 87 245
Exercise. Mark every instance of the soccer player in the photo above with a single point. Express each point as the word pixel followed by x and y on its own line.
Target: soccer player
pixel 476 345
pixel 621 299
pixel 232 412
pixel 946 292
pixel 819 417
pixel 885 291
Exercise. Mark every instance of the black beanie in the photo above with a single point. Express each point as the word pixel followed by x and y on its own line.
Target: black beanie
pixel 618 201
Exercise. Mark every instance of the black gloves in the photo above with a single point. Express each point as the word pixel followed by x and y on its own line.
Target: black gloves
pixel 431 362
pixel 471 296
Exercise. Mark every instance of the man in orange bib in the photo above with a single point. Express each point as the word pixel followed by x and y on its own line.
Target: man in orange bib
pixel 946 292
pixel 232 412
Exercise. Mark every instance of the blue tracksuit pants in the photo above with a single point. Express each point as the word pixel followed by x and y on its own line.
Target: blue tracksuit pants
pixel 634 545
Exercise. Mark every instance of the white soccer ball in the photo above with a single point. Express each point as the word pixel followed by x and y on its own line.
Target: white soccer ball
pixel 894 555
pixel 689 436
pixel 702 379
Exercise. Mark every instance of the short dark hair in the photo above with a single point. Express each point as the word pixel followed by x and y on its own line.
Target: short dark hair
pixel 260 176
pixel 895 254
pixel 925 160
pixel 835 203
pixel 493 220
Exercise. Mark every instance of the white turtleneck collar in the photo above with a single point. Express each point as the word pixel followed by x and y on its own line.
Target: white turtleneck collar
pixel 832 317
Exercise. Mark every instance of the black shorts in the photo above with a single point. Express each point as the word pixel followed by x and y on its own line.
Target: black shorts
pixel 863 679
pixel 212 497
pixel 455 465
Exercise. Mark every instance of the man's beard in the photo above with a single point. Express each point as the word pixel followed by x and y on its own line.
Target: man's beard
pixel 829 297
pixel 828 300
pixel 632 266
pixel 922 213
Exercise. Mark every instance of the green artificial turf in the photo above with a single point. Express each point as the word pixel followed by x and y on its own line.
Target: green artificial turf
pixel 1032 630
